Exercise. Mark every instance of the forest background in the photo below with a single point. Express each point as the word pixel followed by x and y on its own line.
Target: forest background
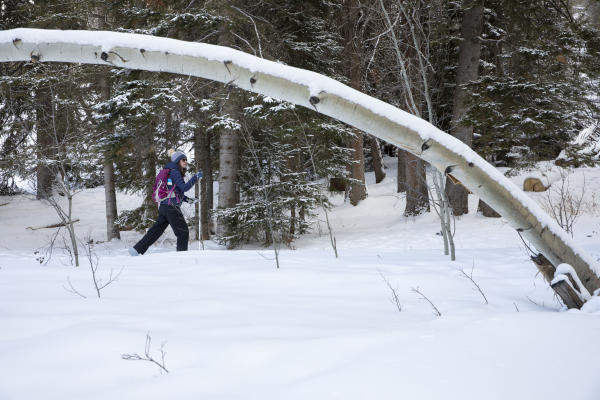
pixel 516 80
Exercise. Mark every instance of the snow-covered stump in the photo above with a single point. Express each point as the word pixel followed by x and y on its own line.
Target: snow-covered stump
pixel 562 280
pixel 568 287
pixel 322 94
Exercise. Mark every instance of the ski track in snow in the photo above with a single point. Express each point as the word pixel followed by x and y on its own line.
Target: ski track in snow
pixel 235 327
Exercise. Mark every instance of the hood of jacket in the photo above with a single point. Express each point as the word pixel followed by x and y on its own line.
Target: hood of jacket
pixel 171 165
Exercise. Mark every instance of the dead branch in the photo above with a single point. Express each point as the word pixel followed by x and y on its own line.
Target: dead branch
pixel 394 299
pixel 147 356
pixel 57 225
pixel 71 289
pixel 470 277
pixel 94 262
pixel 435 309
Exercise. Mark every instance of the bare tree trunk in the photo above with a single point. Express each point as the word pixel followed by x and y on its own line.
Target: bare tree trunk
pixel 229 139
pixel 377 159
pixel 110 193
pixel 204 163
pixel 228 166
pixel 417 196
pixel 198 162
pixel 197 205
pixel 358 189
pixel 468 65
pixel 417 193
pixel 209 183
pixel 486 210
pixel 353 52
pixel 45 144
pixel 97 20
pixel 112 230
pixel 401 170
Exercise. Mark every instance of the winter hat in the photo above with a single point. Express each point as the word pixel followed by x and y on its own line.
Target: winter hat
pixel 176 155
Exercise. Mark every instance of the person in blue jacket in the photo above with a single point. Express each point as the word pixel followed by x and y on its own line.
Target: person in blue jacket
pixel 169 211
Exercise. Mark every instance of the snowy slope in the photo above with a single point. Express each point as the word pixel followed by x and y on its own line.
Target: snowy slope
pixel 318 328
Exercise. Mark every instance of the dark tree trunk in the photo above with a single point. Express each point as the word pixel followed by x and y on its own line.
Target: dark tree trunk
pixel 337 185
pixel 45 142
pixel 401 170
pixel 97 20
pixel 377 159
pixel 204 163
pixel 110 193
pixel 150 155
pixel 486 210
pixel 353 50
pixel 417 196
pixel 467 70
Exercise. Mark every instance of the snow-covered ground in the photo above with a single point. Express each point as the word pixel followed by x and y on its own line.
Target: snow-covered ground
pixel 235 327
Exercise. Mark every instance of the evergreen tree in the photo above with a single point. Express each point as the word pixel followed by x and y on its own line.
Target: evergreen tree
pixel 529 102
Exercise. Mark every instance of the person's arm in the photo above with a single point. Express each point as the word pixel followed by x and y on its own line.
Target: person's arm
pixel 180 183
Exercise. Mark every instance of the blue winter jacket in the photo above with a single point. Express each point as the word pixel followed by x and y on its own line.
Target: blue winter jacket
pixel 180 185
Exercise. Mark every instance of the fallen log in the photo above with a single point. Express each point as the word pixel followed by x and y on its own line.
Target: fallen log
pixel 51 226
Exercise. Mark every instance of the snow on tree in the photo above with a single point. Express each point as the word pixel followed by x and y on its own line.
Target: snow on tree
pixel 313 91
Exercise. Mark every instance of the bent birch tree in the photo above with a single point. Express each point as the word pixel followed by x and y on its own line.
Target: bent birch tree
pixel 326 96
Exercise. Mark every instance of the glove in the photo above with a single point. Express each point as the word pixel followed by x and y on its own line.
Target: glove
pixel 190 200
pixel 199 175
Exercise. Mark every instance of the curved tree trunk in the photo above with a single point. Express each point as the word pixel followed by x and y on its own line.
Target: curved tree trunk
pixel 319 93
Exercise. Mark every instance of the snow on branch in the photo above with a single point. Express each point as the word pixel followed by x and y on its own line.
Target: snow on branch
pixel 317 92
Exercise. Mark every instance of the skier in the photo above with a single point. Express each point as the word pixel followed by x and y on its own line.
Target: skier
pixel 169 210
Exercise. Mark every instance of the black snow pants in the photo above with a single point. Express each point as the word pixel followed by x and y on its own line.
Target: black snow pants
pixel 167 215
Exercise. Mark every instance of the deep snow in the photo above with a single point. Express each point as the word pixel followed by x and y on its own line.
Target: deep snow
pixel 235 327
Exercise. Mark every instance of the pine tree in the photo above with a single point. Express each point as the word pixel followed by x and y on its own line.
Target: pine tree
pixel 528 103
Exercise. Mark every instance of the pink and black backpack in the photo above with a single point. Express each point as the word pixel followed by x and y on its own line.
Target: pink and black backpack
pixel 160 190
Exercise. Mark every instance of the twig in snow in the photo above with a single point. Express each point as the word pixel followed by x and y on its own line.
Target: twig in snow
pixel 470 277
pixel 394 299
pixel 71 289
pixel 435 309
pixel 531 300
pixel 147 356
pixel 94 261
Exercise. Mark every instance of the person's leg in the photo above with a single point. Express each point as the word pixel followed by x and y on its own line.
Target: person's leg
pixel 180 228
pixel 154 232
